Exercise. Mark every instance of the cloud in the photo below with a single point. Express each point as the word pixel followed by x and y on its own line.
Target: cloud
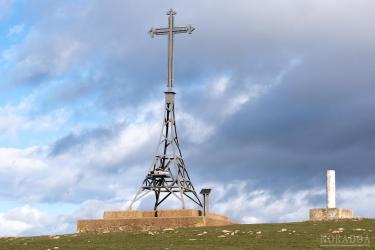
pixel 190 125
pixel 26 220
pixel 245 204
pixel 236 199
pixel 39 66
pixel 104 163
pixel 5 6
pixel 22 117
pixel 16 30
pixel 23 161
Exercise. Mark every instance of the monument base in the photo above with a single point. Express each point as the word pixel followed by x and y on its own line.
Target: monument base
pixel 318 214
pixel 136 220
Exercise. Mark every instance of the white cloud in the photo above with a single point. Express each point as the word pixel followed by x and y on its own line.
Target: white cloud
pixel 129 141
pixel 233 199
pixel 28 220
pixel 25 220
pixel 33 174
pixel 15 30
pixel 360 198
pixel 25 161
pixel 190 125
pixel 262 206
pixel 218 87
pixel 20 117
pixel 41 55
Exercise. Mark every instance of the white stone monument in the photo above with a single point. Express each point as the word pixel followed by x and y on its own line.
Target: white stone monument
pixel 330 212
pixel 331 189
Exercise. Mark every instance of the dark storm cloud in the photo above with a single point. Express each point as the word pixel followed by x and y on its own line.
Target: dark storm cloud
pixel 318 118
pixel 75 142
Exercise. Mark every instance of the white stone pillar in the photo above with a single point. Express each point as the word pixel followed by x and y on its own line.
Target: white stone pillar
pixel 331 189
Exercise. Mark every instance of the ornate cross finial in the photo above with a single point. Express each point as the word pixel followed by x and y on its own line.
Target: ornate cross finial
pixel 170 31
pixel 171 12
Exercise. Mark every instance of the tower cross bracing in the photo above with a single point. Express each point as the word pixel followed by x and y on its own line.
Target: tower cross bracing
pixel 167 175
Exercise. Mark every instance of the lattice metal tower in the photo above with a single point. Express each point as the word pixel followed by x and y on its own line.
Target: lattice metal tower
pixel 167 175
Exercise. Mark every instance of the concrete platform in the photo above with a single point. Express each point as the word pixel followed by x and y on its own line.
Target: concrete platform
pixel 318 214
pixel 137 220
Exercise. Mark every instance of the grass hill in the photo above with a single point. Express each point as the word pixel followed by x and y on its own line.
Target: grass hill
pixel 343 234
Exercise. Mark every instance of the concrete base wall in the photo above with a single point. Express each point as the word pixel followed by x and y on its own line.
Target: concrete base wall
pixel 126 221
pixel 151 213
pixel 317 214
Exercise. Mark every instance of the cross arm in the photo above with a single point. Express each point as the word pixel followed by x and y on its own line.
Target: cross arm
pixel 188 29
pixel 176 30
pixel 158 31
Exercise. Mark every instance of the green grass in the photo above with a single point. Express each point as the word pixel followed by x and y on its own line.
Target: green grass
pixel 300 235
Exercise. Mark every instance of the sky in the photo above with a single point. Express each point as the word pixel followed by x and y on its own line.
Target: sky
pixel 270 94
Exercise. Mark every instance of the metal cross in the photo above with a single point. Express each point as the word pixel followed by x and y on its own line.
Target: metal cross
pixel 170 31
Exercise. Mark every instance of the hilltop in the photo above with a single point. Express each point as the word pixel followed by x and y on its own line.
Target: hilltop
pixel 298 235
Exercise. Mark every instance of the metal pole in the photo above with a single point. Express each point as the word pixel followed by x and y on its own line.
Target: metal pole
pixel 204 204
